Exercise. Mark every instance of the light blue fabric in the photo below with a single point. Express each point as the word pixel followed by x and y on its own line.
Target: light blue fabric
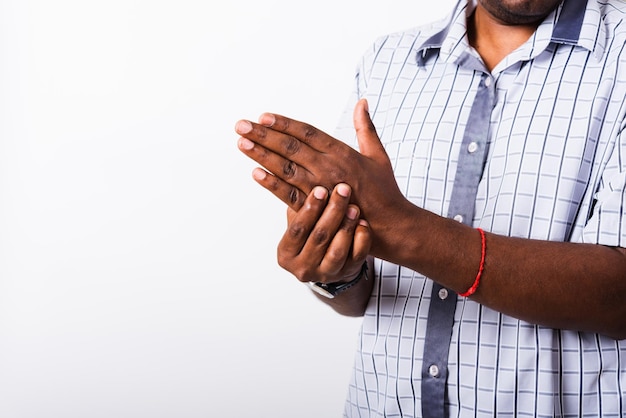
pixel 547 163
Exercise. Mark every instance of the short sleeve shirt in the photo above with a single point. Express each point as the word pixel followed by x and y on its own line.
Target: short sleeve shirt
pixel 552 166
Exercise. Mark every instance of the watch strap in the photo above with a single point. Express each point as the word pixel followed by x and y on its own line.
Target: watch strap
pixel 330 290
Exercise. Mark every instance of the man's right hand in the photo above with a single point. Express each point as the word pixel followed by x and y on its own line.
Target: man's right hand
pixel 326 242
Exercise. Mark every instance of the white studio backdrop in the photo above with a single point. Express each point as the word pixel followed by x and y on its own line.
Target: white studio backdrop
pixel 138 275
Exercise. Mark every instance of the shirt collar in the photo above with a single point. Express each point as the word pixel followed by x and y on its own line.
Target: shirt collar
pixel 573 22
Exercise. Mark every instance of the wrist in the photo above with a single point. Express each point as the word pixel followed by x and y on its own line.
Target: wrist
pixel 331 290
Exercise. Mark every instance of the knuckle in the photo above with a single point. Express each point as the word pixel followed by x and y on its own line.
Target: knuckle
pixel 261 152
pixel 293 196
pixel 360 255
pixel 289 169
pixel 336 255
pixel 348 226
pixel 261 132
pixel 309 134
pixel 319 236
pixel 296 230
pixel 273 184
pixel 284 124
pixel 292 146
pixel 302 276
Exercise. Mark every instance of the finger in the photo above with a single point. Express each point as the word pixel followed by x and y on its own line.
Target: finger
pixel 329 223
pixel 368 140
pixel 289 194
pixel 300 225
pixel 265 153
pixel 287 154
pixel 275 140
pixel 340 248
pixel 305 133
pixel 362 242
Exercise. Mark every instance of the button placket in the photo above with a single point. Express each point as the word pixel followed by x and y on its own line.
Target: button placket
pixel 470 165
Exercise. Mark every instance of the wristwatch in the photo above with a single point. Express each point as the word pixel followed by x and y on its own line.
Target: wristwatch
pixel 330 290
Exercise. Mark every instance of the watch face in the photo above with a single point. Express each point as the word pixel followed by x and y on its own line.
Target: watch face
pixel 320 290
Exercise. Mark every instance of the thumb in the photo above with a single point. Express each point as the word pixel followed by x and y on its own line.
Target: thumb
pixel 369 143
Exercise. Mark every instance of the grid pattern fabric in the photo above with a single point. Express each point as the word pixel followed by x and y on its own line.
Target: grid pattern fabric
pixel 555 170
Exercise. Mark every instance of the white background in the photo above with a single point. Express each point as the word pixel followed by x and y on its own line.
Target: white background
pixel 137 256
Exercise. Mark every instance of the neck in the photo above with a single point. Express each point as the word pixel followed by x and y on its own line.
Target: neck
pixel 493 39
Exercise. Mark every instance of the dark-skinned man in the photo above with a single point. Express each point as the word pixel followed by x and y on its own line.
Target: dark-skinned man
pixel 480 227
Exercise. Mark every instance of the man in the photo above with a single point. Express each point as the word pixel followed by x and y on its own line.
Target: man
pixel 493 206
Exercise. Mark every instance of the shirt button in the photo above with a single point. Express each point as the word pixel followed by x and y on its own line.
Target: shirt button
pixel 443 294
pixel 433 370
pixel 472 147
pixel 458 218
pixel 487 81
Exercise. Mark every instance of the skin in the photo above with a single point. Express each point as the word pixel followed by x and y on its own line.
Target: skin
pixel 518 13
pixel 327 242
pixel 498 27
pixel 541 282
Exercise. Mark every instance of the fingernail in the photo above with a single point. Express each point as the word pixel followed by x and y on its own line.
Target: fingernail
pixel 267 119
pixel 258 174
pixel 243 127
pixel 351 213
pixel 245 144
pixel 319 192
pixel 343 190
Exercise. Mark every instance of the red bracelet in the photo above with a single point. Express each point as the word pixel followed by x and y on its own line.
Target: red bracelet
pixel 481 267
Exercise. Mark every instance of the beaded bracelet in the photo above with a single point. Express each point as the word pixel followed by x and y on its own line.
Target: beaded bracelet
pixel 481 267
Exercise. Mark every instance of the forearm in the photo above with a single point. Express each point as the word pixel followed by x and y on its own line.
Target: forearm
pixel 560 285
pixel 556 284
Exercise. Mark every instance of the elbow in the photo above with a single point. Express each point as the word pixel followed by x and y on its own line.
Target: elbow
pixel 352 311
pixel 617 332
pixel 614 326
pixel 616 335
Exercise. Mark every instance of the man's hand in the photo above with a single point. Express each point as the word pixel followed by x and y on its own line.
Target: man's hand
pixel 541 282
pixel 298 157
pixel 326 242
